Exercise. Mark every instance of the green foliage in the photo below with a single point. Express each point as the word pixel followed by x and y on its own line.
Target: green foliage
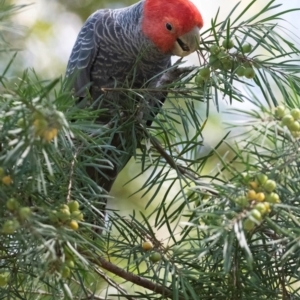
pixel 230 233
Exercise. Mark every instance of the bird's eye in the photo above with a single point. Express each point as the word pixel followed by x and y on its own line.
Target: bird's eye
pixel 169 26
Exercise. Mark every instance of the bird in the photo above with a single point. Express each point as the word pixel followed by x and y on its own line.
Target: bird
pixel 129 46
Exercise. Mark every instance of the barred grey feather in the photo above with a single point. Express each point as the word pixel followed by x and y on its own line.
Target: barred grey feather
pixel 109 47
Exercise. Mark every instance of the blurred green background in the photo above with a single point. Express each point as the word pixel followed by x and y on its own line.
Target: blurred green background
pixel 47 32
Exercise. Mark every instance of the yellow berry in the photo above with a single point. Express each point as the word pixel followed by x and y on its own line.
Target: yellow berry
pixel 251 195
pixel 50 134
pixel 6 180
pixel 260 197
pixel 253 184
pixel 73 225
pixel 147 246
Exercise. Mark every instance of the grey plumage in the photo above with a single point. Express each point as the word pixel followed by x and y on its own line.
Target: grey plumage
pixel 110 51
pixel 109 46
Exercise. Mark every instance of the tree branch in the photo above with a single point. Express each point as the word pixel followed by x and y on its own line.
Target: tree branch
pixel 157 288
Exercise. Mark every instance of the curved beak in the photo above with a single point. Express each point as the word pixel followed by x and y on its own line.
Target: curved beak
pixel 187 43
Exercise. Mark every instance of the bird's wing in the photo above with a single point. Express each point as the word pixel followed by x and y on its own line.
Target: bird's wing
pixel 84 53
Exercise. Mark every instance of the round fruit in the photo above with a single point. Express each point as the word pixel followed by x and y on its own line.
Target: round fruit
pixel 242 201
pixel 287 120
pixel 73 205
pixel 21 123
pixel 205 72
pixel 248 224
pixel 49 134
pixel 273 198
pixel 294 126
pixel 177 250
pixel 24 213
pixel 64 214
pixel 155 257
pixel 40 126
pixel 228 44
pixel 3 280
pixel 295 112
pixel 251 195
pixel 12 204
pixel 261 207
pixel 253 184
pixel 295 134
pixel 147 246
pixel 199 80
pixel 70 263
pixel 249 73
pixel 6 180
pixel 214 49
pixel 280 111
pixel 262 178
pixel 270 186
pixel 53 216
pixel 65 272
pixel 73 225
pixel 9 227
pixel 240 71
pixel 260 197
pixel 246 48
pixel 227 65
pixel 77 215
pixel 255 214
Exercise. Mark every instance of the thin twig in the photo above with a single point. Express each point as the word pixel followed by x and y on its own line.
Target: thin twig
pixel 157 288
pixel 113 283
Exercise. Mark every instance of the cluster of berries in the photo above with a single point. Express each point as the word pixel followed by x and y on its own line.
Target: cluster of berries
pixel 19 215
pixel 258 198
pixel 44 127
pixel 289 118
pixel 67 214
pixel 155 256
pixel 221 59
